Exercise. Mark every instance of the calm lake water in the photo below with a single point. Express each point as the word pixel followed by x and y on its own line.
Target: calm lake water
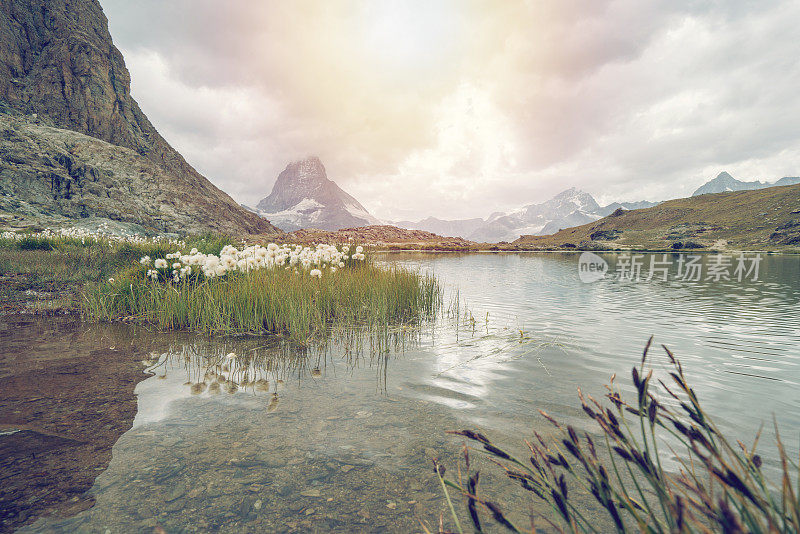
pixel 339 437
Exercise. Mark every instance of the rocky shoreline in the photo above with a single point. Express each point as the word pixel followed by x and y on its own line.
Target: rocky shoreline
pixel 60 414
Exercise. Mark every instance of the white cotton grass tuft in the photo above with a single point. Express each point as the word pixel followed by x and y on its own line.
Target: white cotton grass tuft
pixel 297 258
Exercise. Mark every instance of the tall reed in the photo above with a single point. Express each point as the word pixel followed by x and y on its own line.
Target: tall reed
pixel 270 300
pixel 719 486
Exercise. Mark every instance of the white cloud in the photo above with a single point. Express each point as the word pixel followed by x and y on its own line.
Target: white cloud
pixel 628 100
pixel 235 136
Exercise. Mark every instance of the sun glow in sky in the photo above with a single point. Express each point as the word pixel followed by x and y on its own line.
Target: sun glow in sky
pixel 458 108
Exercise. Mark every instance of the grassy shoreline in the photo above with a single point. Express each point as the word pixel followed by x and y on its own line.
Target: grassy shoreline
pixel 273 301
pixel 496 248
pixel 206 284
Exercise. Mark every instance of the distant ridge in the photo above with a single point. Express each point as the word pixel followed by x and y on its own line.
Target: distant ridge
pixel 725 182
pixel 567 209
pixel 766 218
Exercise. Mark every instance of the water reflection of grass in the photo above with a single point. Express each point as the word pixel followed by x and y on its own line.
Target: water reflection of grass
pixel 258 365
pixel 719 485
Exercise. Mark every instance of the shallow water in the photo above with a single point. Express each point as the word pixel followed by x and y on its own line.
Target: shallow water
pixel 339 437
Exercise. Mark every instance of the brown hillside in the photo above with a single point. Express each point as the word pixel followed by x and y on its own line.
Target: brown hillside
pixel 761 219
pixel 374 235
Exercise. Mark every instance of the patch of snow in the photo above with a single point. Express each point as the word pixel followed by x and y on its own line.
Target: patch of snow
pixel 361 213
pixel 297 216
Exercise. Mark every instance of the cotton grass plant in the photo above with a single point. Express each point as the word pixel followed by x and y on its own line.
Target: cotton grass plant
pixel 291 290
pixel 718 485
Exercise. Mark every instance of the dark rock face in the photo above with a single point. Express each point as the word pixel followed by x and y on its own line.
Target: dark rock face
pixel 59 66
pixel 789 224
pixel 593 245
pixel 58 60
pixel 605 235
pixel 787 233
pixel 49 176
pixel 304 197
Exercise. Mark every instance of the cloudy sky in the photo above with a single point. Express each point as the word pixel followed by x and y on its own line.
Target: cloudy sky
pixel 458 108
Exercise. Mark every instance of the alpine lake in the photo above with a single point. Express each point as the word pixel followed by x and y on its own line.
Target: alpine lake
pixel 119 428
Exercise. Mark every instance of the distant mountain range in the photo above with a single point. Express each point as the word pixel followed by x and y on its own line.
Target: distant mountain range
pixel 767 218
pixel 568 209
pixel 304 197
pixel 725 182
pixel 565 210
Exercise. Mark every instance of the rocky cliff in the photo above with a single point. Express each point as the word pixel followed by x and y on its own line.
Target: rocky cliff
pixel 60 68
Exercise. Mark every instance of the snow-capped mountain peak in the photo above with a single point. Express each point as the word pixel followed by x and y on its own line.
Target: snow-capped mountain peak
pixel 724 182
pixel 304 197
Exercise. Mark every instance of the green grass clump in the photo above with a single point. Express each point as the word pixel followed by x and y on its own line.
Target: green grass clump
pixel 269 300
pixel 56 263
pixel 35 243
pixel 719 485
pixel 210 243
pixel 51 261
